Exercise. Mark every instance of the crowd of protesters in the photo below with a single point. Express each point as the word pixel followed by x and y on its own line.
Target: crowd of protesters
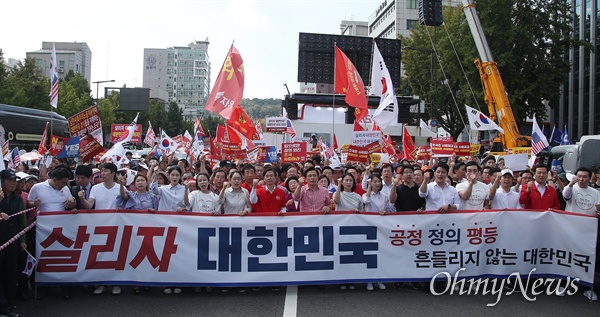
pixel 170 184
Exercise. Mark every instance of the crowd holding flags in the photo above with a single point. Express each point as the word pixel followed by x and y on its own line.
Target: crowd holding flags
pixel 240 129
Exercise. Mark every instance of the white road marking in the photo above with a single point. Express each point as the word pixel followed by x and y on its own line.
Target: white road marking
pixel 291 302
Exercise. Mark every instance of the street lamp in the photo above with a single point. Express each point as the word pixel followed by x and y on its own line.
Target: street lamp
pixel 98 87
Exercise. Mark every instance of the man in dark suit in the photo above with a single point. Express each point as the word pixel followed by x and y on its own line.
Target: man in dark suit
pixel 82 182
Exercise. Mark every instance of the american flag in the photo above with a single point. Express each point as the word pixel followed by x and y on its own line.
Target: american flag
pixel 290 129
pixel 538 139
pixel 53 79
pixel 16 157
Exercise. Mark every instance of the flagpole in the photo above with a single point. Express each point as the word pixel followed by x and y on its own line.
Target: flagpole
pixel 333 103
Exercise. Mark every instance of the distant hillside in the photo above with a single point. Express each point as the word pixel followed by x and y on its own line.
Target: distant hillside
pixel 262 108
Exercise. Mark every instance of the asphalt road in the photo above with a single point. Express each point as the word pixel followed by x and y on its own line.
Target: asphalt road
pixel 310 301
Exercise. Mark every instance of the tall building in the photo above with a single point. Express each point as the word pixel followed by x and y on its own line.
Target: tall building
pixel 398 17
pixel 179 74
pixel 356 28
pixel 577 108
pixel 75 56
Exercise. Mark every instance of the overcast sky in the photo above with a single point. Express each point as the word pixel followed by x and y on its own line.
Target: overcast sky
pixel 117 31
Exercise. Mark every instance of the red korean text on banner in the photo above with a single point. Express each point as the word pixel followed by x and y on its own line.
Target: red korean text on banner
pixel 229 87
pixel 442 146
pixel 117 130
pixel 361 153
pixel 462 148
pixel 86 122
pixel 89 147
pixel 424 153
pixel 294 152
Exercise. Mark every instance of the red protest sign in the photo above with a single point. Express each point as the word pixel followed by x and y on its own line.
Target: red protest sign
pixel 57 144
pixel 442 146
pixel 89 147
pixel 85 122
pixel 361 153
pixel 424 153
pixel 462 148
pixel 294 152
pixel 117 130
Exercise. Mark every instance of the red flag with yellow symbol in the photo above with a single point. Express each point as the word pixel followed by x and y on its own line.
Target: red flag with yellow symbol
pixel 348 82
pixel 242 122
pixel 408 145
pixel 229 87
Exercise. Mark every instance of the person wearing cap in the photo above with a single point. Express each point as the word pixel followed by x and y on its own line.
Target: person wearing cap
pixel 473 193
pixel 538 194
pixel 10 204
pixel 501 194
pixel 30 180
pixel 226 165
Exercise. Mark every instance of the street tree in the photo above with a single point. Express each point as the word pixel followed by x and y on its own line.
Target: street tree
pixel 528 39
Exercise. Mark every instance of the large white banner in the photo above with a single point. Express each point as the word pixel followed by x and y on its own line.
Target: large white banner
pixel 302 248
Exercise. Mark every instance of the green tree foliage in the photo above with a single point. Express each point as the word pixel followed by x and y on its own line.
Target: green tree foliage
pixel 74 95
pixel 261 108
pixel 174 119
pixel 3 77
pixel 25 86
pixel 528 39
pixel 107 109
pixel 209 123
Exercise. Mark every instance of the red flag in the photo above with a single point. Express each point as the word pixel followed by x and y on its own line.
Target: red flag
pixel 229 87
pixel 357 126
pixel 386 145
pixel 42 147
pixel 408 145
pixel 199 127
pixel 348 82
pixel 212 145
pixel 150 135
pixel 335 144
pixel 375 127
pixel 242 122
